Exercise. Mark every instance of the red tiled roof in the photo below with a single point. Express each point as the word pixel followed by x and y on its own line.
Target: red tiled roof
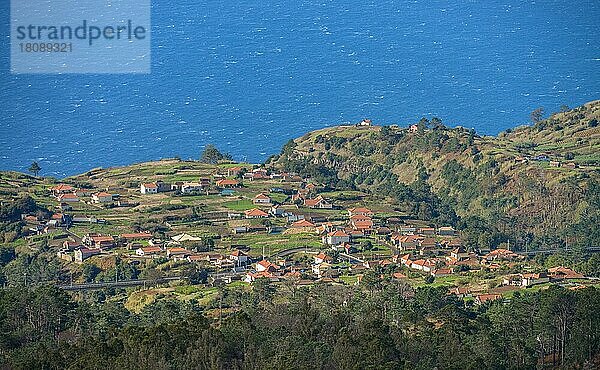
pixel 338 233
pixel 266 264
pixel 488 297
pixel 255 212
pixel 227 182
pixel 102 238
pixel 323 256
pixel 398 275
pixel 564 272
pixel 312 202
pixel 151 249
pixel 363 224
pixel 63 187
pixel 360 210
pixel 303 223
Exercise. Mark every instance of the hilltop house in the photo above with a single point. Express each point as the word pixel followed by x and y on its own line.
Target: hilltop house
pixel 365 122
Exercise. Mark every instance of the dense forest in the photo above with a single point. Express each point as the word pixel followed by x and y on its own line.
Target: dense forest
pixel 382 325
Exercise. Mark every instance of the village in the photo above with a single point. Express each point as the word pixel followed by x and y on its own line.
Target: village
pixel 261 224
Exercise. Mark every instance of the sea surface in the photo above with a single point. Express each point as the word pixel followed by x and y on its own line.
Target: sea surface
pixel 249 75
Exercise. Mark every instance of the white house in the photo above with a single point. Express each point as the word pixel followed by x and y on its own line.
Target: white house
pixel 190 187
pixel 239 258
pixel 82 254
pixel 336 238
pixel 148 251
pixel 459 254
pixel 262 199
pixel 534 278
pixel 318 202
pixel 265 265
pixel 321 258
pixel 102 197
pixel 423 265
pixel 149 188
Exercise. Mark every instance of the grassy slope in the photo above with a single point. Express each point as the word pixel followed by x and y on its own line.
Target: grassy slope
pixel 523 185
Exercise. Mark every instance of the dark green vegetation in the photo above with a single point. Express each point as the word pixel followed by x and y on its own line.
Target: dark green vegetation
pixel 535 186
pixel 385 325
pixel 212 155
pixel 35 168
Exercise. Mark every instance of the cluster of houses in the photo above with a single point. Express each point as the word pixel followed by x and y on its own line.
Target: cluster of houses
pixel 529 279
pixel 67 194
pixel 435 251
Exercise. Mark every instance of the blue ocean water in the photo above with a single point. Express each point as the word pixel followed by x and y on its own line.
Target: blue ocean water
pixel 248 75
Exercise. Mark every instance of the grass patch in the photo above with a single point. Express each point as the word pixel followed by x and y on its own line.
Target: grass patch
pixel 239 205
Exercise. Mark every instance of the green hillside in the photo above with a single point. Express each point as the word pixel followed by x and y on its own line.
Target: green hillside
pixel 536 183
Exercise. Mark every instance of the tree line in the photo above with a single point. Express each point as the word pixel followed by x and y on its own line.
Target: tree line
pixel 379 325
